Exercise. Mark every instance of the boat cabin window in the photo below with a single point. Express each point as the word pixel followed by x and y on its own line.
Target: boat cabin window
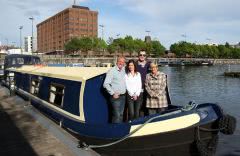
pixel 13 62
pixel 34 86
pixel 56 94
pixel 20 61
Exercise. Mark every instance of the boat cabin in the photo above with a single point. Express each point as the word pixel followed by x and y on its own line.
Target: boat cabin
pixel 73 92
pixel 16 61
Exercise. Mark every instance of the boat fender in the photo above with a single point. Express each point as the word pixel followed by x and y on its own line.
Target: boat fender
pixel 190 106
pixel 207 148
pixel 82 145
pixel 12 92
pixel 227 124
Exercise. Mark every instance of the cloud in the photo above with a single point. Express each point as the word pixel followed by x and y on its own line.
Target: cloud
pixel 36 7
pixel 183 11
pixel 32 13
pixel 166 19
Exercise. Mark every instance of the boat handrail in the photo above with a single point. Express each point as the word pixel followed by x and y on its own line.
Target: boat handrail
pixel 186 108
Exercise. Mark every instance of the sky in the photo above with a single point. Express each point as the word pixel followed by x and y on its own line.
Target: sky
pixel 169 21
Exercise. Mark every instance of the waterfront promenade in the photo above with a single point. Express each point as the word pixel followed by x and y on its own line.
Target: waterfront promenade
pixel 24 131
pixel 64 59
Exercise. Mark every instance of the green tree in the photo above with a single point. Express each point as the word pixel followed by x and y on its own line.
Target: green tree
pixel 175 49
pixel 129 44
pixel 148 48
pixel 180 49
pixel 86 44
pixel 157 48
pixel 215 52
pixel 72 45
pixel 227 45
pixel 112 48
pixel 139 45
pixel 99 44
pixel 204 51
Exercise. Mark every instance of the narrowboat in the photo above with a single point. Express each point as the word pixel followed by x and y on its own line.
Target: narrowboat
pixel 16 61
pixel 75 99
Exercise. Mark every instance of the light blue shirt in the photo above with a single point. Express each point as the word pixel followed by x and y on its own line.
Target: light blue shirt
pixel 115 81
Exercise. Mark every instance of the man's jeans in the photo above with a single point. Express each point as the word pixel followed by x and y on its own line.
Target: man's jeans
pixel 118 106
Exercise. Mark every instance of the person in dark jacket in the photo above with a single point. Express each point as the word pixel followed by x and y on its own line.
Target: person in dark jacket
pixel 143 67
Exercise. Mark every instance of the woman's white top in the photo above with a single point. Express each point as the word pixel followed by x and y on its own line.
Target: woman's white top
pixel 133 84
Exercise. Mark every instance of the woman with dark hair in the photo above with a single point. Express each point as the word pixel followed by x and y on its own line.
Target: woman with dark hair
pixel 134 86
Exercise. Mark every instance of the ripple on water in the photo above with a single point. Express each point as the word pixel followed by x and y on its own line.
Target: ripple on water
pixel 204 84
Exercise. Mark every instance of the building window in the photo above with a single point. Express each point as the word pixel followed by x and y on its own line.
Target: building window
pixel 34 89
pixel 83 19
pixel 56 94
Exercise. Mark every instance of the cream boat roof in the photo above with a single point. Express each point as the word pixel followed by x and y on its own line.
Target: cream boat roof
pixel 69 73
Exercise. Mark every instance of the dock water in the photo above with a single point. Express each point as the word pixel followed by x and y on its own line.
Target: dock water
pixel 25 131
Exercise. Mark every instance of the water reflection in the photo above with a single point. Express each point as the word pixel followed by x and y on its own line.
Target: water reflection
pixel 207 84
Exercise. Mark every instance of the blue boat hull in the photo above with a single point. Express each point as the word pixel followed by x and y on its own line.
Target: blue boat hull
pixel 96 132
pixel 180 142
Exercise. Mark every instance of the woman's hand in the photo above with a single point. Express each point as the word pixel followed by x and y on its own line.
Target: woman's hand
pixel 135 98
pixel 115 95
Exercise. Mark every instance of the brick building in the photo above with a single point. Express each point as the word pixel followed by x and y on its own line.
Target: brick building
pixel 77 21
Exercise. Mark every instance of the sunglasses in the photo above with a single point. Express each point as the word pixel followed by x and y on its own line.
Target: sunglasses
pixel 142 55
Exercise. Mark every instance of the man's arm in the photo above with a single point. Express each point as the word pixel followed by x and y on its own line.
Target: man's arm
pixel 139 84
pixel 108 81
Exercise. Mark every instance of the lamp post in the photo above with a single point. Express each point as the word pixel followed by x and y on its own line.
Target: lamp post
pixel 102 26
pixel 6 41
pixel 31 18
pixel 20 28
